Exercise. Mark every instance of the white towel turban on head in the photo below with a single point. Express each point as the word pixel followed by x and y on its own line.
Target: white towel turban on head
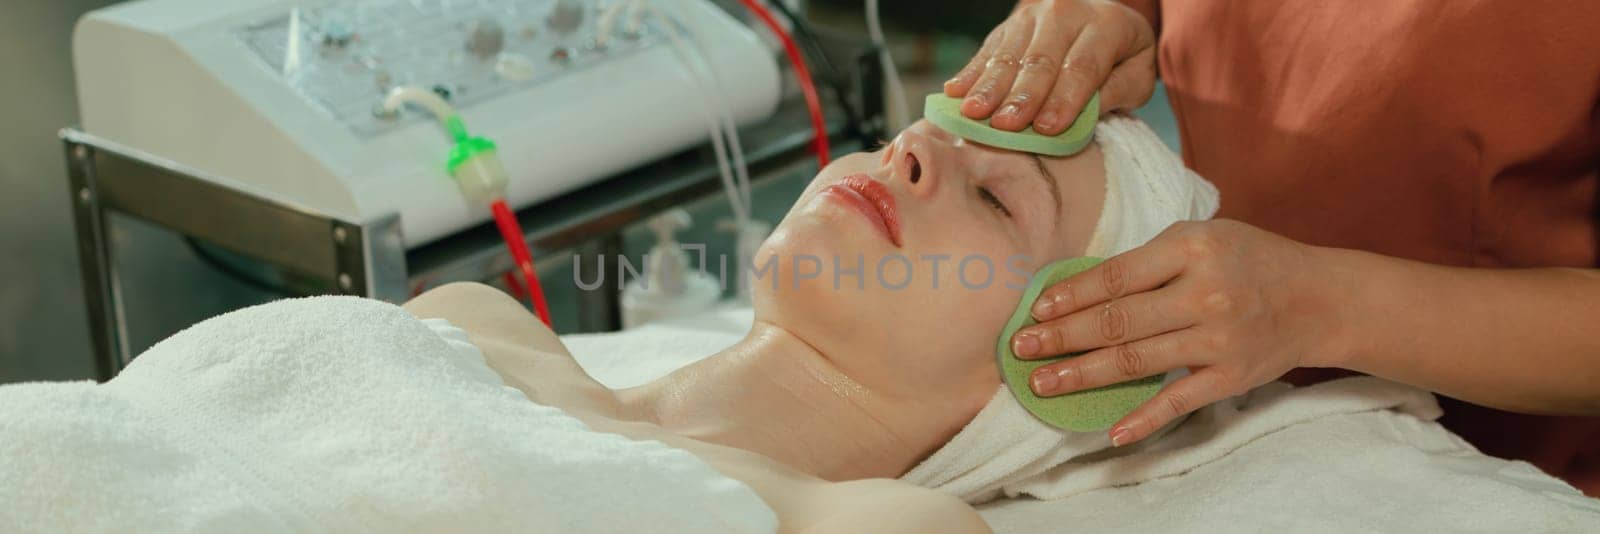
pixel 1147 188
pixel 1004 447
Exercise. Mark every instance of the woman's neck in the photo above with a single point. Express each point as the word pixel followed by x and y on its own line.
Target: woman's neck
pixel 775 394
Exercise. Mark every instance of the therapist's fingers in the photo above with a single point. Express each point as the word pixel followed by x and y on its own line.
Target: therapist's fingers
pixel 1134 271
pixel 1084 70
pixel 1121 320
pixel 1187 394
pixel 1040 63
pixel 1131 83
pixel 958 85
pixel 1114 365
pixel 999 72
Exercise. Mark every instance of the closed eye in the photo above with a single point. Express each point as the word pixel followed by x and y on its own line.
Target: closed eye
pixel 993 201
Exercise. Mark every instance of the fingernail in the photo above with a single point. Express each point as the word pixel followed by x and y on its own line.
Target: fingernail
pixel 1010 109
pixel 981 95
pixel 1042 309
pixel 1025 344
pixel 1047 336
pixel 1045 382
pixel 1120 435
pixel 1047 119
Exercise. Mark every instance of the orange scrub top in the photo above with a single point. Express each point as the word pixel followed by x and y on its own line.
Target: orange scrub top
pixel 1455 132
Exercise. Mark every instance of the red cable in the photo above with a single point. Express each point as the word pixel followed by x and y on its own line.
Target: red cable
pixel 818 127
pixel 512 232
pixel 509 278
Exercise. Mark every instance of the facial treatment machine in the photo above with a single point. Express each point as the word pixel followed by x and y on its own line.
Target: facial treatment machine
pixel 287 99
pixel 259 126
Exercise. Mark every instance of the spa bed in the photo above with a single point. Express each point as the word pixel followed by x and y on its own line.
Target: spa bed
pixel 347 414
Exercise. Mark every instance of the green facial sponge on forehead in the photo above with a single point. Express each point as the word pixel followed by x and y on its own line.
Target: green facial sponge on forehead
pixel 1083 411
pixel 945 112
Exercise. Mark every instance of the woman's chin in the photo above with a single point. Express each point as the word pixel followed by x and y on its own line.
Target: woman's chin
pixel 811 238
pixel 810 270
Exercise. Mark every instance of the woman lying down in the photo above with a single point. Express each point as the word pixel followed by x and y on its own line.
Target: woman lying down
pixel 460 411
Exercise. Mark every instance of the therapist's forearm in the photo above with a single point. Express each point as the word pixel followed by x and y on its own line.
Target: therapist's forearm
pixel 1523 340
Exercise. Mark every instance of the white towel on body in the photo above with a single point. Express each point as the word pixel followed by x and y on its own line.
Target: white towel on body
pixel 335 414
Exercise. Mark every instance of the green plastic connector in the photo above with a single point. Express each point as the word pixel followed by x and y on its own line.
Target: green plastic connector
pixel 465 149
pixel 456 128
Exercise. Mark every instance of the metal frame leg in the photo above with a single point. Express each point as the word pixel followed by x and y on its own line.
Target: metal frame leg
pixel 94 259
pixel 600 309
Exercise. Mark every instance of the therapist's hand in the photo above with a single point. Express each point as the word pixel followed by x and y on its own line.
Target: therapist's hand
pixel 1044 62
pixel 1236 305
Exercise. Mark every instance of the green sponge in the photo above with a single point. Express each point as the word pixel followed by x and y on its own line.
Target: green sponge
pixel 1083 411
pixel 945 112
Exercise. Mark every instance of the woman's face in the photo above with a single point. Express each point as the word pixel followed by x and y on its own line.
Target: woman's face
pixel 904 264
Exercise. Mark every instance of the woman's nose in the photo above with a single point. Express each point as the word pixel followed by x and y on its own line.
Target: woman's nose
pixel 915 165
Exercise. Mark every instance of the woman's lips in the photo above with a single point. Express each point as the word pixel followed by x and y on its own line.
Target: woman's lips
pixel 870 198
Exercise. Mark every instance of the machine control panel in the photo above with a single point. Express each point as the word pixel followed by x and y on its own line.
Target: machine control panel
pixel 344 56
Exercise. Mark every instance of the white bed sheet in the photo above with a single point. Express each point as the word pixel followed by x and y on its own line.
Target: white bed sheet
pixel 1372 489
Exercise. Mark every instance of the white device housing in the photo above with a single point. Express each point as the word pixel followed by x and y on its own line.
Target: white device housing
pixel 191 81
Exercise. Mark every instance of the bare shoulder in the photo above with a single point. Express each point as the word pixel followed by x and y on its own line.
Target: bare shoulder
pixel 882 505
pixel 516 345
pixel 486 312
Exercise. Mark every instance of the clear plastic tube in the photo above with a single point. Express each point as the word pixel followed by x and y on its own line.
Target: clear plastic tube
pixel 698 60
pixel 898 112
pixel 421 97
pixel 707 107
pixel 607 23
